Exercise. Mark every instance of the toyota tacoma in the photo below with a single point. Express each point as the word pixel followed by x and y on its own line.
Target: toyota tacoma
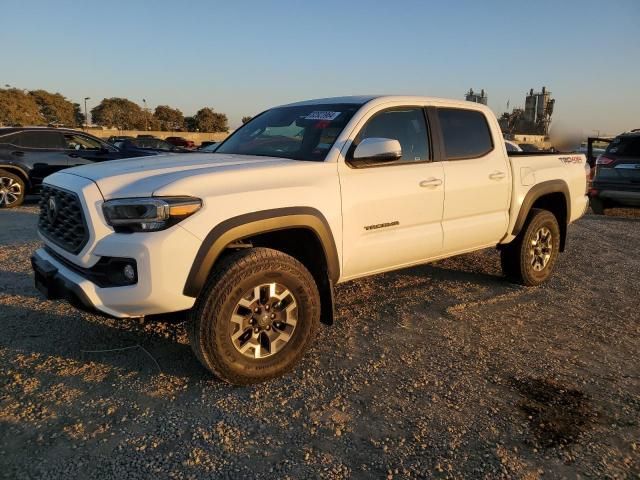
pixel 251 240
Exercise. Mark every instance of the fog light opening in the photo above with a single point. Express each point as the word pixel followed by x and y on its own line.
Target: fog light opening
pixel 129 272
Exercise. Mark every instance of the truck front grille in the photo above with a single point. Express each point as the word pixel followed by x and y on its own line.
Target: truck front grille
pixel 62 219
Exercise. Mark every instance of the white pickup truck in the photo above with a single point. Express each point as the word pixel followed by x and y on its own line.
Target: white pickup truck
pixel 251 239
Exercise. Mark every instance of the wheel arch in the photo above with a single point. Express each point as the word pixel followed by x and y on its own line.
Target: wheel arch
pixel 552 195
pixel 24 175
pixel 262 227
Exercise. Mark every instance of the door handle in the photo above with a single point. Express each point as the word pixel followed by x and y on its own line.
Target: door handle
pixel 17 153
pixel 431 182
pixel 73 155
pixel 497 175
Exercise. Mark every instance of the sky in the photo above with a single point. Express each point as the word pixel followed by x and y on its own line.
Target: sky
pixel 241 57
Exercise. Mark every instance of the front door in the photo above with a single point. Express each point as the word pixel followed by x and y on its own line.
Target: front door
pixel 392 211
pixel 82 150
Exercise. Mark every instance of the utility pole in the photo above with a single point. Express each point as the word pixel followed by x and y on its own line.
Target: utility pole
pixel 86 119
pixel 146 116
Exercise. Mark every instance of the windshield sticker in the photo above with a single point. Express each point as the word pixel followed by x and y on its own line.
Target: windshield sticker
pixel 322 115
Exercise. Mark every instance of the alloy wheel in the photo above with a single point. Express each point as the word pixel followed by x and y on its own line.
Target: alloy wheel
pixel 264 320
pixel 541 248
pixel 10 191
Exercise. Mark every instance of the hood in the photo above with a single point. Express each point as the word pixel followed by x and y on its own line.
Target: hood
pixel 140 177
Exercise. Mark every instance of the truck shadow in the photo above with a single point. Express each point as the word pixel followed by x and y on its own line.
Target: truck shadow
pixel 125 346
pixel 35 327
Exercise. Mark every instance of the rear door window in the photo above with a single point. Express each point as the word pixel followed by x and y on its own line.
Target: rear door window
pixel 80 142
pixel 465 133
pixel 625 146
pixel 9 139
pixel 42 140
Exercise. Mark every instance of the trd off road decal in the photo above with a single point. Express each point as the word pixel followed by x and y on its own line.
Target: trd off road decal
pixel 571 159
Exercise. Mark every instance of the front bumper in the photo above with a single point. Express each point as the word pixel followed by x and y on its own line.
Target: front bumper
pixel 163 262
pixel 55 285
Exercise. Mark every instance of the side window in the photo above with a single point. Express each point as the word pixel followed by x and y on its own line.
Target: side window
pixel 407 125
pixel 465 133
pixel 80 142
pixel 40 139
pixel 11 139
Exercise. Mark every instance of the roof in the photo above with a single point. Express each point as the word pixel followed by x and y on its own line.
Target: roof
pixel 354 99
pixel 8 130
pixel 363 99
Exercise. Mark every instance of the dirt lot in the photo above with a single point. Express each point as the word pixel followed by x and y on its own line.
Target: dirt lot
pixel 444 370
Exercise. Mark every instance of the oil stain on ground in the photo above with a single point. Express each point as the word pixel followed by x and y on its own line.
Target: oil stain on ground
pixel 557 415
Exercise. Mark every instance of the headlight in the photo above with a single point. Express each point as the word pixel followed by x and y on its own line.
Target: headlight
pixel 148 214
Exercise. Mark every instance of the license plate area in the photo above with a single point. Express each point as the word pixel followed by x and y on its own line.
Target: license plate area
pixel 44 274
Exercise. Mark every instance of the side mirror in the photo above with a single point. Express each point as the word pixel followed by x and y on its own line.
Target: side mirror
pixel 374 150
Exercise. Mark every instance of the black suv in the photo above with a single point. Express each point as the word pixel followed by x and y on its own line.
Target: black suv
pixel 28 154
pixel 616 182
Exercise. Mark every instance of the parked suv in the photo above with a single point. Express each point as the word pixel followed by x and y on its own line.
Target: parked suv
pixel 616 182
pixel 28 154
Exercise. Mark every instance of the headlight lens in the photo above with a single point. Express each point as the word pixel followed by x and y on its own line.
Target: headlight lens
pixel 148 214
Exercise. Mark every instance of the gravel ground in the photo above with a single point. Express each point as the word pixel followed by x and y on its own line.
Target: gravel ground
pixel 444 370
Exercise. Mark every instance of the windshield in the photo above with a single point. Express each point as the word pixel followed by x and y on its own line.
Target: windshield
pixel 300 133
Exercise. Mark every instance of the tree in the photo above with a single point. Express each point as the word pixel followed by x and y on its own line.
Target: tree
pixel 246 119
pixel 169 119
pixel 19 108
pixel 207 120
pixel 121 113
pixel 77 113
pixel 190 124
pixel 56 109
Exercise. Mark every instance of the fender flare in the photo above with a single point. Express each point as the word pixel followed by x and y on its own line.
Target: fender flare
pixel 263 221
pixel 537 191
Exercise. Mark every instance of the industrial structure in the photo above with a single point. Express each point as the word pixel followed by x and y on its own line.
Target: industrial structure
pixel 472 96
pixel 534 119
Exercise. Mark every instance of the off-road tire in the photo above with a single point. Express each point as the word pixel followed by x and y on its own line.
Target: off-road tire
pixel 597 206
pixel 516 257
pixel 209 321
pixel 7 177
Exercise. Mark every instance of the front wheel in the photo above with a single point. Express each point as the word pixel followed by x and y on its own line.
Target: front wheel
pixel 255 317
pixel 530 258
pixel 11 190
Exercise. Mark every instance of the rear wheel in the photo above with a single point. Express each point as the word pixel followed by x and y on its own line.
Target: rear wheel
pixel 12 190
pixel 256 316
pixel 530 258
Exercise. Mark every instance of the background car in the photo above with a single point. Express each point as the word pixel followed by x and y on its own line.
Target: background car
pixel 512 146
pixel 529 147
pixel 206 143
pixel 28 154
pixel 118 138
pixel 180 142
pixel 616 181
pixel 209 148
pixel 148 146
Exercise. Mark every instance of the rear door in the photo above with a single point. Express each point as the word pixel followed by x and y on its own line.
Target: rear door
pixel 478 181
pixel 41 151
